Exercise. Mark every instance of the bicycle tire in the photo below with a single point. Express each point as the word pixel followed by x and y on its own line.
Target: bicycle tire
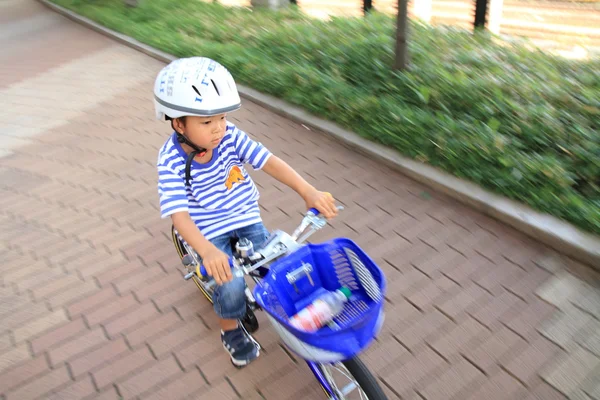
pixel 365 379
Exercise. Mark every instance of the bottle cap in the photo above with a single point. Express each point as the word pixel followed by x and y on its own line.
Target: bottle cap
pixel 347 292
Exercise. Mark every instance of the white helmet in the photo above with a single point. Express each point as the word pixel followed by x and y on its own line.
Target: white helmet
pixel 194 86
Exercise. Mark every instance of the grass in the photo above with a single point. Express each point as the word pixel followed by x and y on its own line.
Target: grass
pixel 521 123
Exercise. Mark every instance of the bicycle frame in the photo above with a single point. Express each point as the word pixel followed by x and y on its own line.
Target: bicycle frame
pixel 278 245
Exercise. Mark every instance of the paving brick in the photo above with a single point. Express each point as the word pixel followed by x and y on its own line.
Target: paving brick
pixel 120 368
pixel 75 391
pixel 525 362
pixel 525 288
pixel 487 354
pixel 131 319
pixel 591 387
pixel 105 263
pixel 445 259
pixel 38 325
pixel 530 319
pixel 560 289
pixel 80 344
pixel 58 335
pixel 91 302
pixel 164 284
pixel 83 290
pixel 570 371
pixel 380 355
pixel 267 368
pixel 499 386
pixel 199 350
pixel 109 393
pixel 138 280
pixel 504 274
pixel 14 357
pixel 23 315
pixel 157 373
pixel 490 314
pixel 465 335
pixel 110 310
pixel 460 300
pixel 451 382
pixel 5 342
pixel 40 385
pixel 411 370
pixel 543 391
pixel 589 300
pixel 589 337
pixel 57 285
pixel 291 385
pixel 91 359
pixel 411 279
pixel 149 329
pixel 119 271
pixel 564 325
pixel 221 391
pixel 183 385
pixel 421 327
pixel 190 332
pixel 185 293
pixel 23 372
pixel 427 294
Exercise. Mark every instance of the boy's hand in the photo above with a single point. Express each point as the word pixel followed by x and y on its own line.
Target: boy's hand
pixel 322 201
pixel 216 264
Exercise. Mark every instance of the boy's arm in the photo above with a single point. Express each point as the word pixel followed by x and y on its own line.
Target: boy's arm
pixel 174 204
pixel 215 261
pixel 285 174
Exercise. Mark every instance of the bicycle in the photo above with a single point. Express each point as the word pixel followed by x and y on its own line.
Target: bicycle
pixel 308 270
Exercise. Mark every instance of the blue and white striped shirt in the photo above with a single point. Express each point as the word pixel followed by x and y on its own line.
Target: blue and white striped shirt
pixel 222 197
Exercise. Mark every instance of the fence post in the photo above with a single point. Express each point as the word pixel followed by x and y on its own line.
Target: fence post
pixel 495 16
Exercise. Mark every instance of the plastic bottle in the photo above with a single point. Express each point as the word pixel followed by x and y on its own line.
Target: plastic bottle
pixel 321 311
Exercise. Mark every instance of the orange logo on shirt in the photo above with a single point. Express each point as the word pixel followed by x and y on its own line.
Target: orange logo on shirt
pixel 235 176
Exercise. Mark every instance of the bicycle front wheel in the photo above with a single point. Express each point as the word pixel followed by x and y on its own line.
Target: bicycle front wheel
pixel 350 380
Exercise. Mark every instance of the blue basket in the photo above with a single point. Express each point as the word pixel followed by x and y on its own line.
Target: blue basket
pixel 339 262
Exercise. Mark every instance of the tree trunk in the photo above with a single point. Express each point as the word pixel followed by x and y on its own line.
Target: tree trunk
pixel 481 7
pixel 402 56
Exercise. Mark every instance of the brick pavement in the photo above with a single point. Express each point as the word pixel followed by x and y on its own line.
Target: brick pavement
pixel 92 301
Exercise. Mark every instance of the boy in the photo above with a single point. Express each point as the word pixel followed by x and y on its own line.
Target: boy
pixel 205 189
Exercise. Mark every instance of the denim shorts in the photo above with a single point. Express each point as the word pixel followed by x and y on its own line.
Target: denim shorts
pixel 229 299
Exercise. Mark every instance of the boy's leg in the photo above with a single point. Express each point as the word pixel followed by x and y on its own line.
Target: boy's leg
pixel 256 233
pixel 229 302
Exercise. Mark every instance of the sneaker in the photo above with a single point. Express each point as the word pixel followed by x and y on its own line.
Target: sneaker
pixel 241 346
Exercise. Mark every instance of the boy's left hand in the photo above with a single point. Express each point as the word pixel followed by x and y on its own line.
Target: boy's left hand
pixel 322 201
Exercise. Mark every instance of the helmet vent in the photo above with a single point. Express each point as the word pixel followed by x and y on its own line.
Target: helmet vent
pixel 213 82
pixel 196 90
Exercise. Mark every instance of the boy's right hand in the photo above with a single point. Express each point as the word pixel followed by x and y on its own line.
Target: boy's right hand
pixel 217 265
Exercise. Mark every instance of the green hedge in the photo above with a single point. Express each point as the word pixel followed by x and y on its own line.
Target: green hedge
pixel 519 122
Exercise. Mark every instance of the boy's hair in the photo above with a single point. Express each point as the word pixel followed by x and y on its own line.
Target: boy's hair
pixel 182 119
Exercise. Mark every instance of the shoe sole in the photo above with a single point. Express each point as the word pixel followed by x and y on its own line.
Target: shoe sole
pixel 241 363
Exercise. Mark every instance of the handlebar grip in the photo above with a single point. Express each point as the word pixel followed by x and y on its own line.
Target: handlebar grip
pixel 314 211
pixel 203 272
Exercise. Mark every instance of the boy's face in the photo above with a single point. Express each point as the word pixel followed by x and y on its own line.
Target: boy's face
pixel 206 132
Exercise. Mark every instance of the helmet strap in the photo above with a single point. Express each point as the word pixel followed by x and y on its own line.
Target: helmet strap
pixel 197 150
pixel 188 167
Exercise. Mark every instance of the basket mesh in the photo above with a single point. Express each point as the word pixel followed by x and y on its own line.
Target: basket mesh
pixel 365 277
